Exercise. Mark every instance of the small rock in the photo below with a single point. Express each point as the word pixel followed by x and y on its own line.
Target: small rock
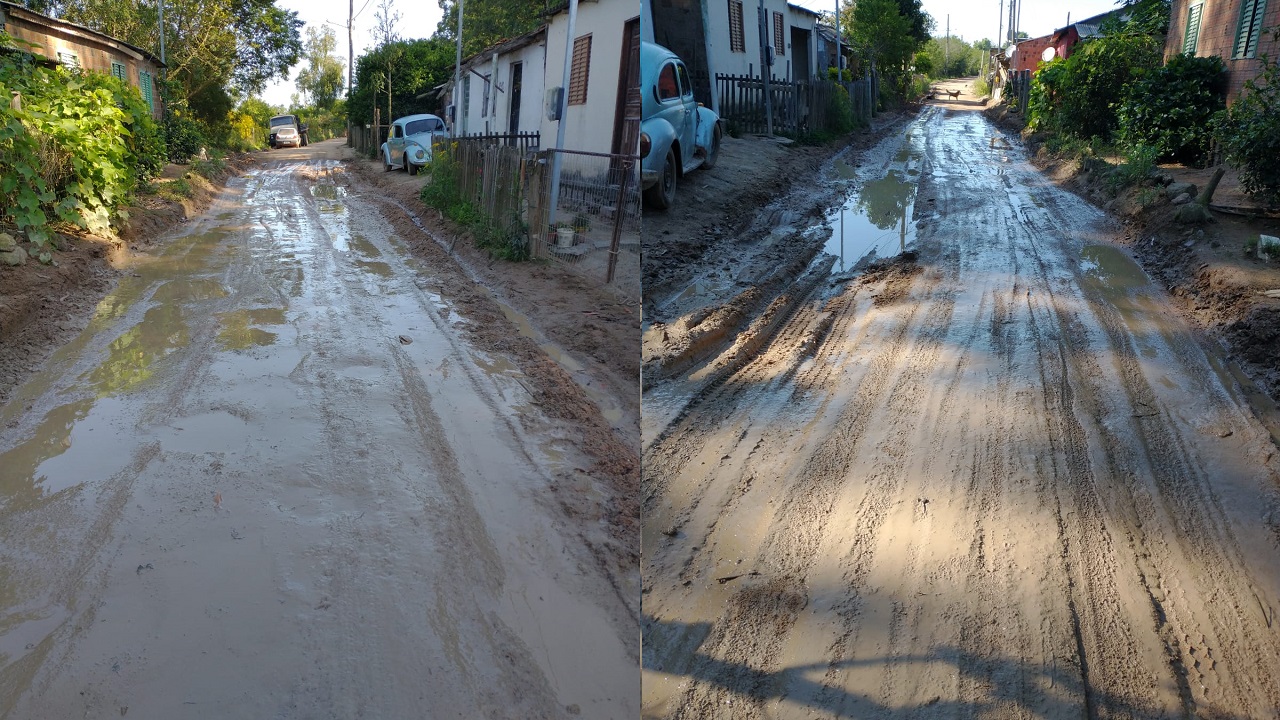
pixel 405 339
pixel 1182 198
pixel 7 242
pixel 14 257
pixel 1176 189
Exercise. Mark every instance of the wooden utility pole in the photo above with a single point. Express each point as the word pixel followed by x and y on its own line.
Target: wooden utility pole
pixel 766 67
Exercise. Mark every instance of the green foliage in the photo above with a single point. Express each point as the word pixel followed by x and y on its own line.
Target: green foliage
pixel 184 137
pixel 981 87
pixel 1140 160
pixel 840 111
pixel 1081 95
pixel 419 66
pixel 1250 134
pixel 321 79
pixel 443 191
pixel 1171 108
pixel 948 59
pixel 76 149
pixel 846 74
pixel 488 21
pixel 887 39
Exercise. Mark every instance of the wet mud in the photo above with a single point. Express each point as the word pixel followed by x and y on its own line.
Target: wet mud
pixel 997 476
pixel 272 478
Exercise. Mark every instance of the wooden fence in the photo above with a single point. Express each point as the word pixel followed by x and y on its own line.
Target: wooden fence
pixel 798 107
pixel 526 141
pixel 1018 90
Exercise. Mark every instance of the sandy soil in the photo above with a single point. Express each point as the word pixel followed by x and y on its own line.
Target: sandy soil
pixel 999 475
pixel 283 472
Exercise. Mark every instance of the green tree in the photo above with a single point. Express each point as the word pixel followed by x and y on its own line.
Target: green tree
pixel 885 38
pixel 422 65
pixel 321 80
pixel 489 21
pixel 214 49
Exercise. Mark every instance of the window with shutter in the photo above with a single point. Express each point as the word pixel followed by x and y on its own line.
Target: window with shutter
pixel 69 59
pixel 117 70
pixel 1192 36
pixel 579 71
pixel 779 43
pixel 1250 29
pixel 144 85
pixel 736 42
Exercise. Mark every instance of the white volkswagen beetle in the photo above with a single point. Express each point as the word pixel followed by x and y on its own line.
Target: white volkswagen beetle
pixel 408 144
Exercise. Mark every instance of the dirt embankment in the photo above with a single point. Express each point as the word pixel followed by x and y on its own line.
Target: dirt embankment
pixel 42 306
pixel 1213 270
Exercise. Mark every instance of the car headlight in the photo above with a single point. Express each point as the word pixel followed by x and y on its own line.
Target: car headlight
pixel 645 144
pixel 418 153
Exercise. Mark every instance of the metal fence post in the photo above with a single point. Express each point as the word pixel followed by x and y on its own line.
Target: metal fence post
pixel 616 242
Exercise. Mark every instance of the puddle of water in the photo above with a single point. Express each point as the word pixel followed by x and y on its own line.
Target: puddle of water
pixel 843 170
pixel 380 269
pixel 73 444
pixel 132 356
pixel 178 291
pixel 238 333
pixel 874 220
pixel 496 365
pixel 362 245
pixel 201 433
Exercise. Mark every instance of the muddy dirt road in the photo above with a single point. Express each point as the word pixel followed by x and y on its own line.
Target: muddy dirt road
pixel 271 479
pixel 1001 480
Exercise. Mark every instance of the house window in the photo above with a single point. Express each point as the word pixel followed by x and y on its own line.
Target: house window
pixel 779 46
pixel 69 59
pixel 1192 36
pixel 117 70
pixel 736 42
pixel 578 73
pixel 144 85
pixel 1251 12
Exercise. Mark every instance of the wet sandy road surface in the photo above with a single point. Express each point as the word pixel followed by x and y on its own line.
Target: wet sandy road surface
pixel 242 493
pixel 1004 481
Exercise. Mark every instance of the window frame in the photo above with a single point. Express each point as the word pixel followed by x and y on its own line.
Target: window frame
pixel 779 37
pixel 580 70
pixel 737 27
pixel 1189 42
pixel 1248 29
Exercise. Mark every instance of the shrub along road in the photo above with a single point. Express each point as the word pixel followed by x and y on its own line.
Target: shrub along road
pixel 276 477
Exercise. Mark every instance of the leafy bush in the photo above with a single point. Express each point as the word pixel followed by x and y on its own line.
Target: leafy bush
pixel 1250 135
pixel 1081 94
pixel 1138 164
pixel 74 151
pixel 183 136
pixel 840 111
pixel 1171 108
pixel 981 87
pixel 506 241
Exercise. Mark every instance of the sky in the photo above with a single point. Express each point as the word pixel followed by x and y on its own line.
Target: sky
pixel 973 21
pixel 418 19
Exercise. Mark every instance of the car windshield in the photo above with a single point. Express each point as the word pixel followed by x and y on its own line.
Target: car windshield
pixel 278 121
pixel 421 126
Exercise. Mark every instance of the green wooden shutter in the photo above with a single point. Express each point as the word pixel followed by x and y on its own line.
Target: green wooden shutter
pixel 1192 37
pixel 1250 29
pixel 144 84
pixel 117 69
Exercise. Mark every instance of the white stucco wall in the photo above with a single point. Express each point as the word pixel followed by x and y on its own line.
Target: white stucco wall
pixel 588 126
pixel 723 61
pixel 485 120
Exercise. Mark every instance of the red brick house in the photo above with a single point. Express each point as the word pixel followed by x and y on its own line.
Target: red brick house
pixel 1030 53
pixel 78 46
pixel 1235 30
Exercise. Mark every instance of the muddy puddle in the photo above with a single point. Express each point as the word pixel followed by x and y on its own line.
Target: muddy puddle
pixel 875 219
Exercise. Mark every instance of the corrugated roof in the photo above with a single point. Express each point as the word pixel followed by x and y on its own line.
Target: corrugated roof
pixel 9 7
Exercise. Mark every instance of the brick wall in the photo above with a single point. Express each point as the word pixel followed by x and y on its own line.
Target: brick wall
pixel 1030 52
pixel 1219 22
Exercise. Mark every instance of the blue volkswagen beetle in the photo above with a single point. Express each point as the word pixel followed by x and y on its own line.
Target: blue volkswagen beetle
pixel 677 134
pixel 408 144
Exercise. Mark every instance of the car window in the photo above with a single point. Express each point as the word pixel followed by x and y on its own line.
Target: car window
pixel 278 121
pixel 421 126
pixel 686 87
pixel 399 131
pixel 667 86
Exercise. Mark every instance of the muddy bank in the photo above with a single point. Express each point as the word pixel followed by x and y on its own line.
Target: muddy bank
pixel 738 237
pixel 1212 270
pixel 43 306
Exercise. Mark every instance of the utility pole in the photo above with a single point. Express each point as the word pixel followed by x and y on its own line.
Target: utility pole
pixel 766 68
pixel 351 49
pixel 564 110
pixel 946 57
pixel 457 74
pixel 839 60
pixel 1000 30
pixel 160 11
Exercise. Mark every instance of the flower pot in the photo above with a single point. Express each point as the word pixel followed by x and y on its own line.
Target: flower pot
pixel 564 237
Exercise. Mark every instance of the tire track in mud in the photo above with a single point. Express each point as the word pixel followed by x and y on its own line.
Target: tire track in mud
pixel 1101 576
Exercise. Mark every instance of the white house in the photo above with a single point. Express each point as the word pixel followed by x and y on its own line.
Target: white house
pixel 605 41
pixel 722 37
pixel 502 87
